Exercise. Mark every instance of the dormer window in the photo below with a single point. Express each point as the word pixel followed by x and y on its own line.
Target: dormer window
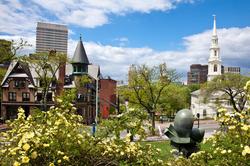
pixel 19 84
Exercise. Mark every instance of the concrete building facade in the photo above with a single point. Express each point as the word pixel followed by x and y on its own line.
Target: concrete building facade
pixel 51 37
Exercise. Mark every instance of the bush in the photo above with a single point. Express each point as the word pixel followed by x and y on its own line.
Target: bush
pixel 57 137
pixel 230 146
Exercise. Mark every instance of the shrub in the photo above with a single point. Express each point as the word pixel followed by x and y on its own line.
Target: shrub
pixel 230 146
pixel 57 137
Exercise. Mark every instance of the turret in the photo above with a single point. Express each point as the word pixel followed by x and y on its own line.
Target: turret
pixel 80 60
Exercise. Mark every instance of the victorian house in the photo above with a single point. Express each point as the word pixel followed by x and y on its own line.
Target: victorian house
pixel 21 86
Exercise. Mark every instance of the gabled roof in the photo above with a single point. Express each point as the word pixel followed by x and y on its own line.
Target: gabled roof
pixel 80 55
pixel 10 72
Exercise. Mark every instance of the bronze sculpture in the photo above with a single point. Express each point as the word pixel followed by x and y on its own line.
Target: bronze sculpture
pixel 182 135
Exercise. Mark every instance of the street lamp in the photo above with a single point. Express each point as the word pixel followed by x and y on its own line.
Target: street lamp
pixel 96 100
pixel 198 117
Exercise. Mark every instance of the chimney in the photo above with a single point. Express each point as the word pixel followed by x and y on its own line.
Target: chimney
pixel 61 77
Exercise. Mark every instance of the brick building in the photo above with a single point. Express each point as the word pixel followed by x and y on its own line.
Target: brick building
pixel 107 95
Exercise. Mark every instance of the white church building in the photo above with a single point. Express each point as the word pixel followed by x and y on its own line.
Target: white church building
pixel 198 104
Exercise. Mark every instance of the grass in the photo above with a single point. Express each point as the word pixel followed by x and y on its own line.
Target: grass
pixel 165 147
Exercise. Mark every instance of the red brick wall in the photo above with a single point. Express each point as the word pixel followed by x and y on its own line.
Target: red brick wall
pixel 107 93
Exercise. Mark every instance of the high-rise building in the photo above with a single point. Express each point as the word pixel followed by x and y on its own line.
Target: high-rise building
pixel 197 74
pixel 51 37
pixel 214 61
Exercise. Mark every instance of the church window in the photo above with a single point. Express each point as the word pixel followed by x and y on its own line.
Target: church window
pixel 215 68
pixel 215 53
pixel 204 113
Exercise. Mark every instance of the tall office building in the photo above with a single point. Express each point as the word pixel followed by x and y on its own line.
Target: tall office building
pixel 197 74
pixel 51 37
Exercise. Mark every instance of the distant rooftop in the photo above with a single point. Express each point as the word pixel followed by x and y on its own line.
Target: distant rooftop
pixel 52 26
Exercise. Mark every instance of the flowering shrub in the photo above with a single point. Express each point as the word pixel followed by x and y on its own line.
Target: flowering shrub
pixel 57 137
pixel 230 146
pixel 132 120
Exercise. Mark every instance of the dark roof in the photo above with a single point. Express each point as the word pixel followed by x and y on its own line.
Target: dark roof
pixel 13 67
pixel 80 55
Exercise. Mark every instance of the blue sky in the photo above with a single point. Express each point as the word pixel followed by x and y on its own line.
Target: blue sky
pixel 117 33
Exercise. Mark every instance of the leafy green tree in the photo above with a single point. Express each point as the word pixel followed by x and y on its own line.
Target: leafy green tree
pixel 232 85
pixel 174 98
pixel 9 49
pixel 45 65
pixel 146 86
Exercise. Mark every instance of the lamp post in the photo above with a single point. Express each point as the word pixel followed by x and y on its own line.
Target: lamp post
pixel 198 117
pixel 96 101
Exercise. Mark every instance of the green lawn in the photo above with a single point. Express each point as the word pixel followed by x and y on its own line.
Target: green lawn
pixel 166 147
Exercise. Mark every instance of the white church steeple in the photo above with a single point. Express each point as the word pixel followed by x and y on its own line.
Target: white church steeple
pixel 214 61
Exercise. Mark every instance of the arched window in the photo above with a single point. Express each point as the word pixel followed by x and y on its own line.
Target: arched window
pixel 215 68
pixel 215 53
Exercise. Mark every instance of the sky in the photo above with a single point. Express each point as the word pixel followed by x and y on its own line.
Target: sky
pixel 118 33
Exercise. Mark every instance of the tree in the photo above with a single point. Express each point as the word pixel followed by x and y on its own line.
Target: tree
pixel 232 85
pixel 9 49
pixel 45 65
pixel 174 98
pixel 146 86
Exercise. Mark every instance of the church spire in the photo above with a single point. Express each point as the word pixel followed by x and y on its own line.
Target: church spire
pixel 214 29
pixel 214 61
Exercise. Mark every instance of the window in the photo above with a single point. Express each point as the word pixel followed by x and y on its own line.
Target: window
pixel 74 68
pixel 215 68
pixel 19 84
pixel 12 96
pixel 39 96
pixel 215 53
pixel 26 96
pixel 204 113
pixel 49 97
pixel 79 69
pixel 81 97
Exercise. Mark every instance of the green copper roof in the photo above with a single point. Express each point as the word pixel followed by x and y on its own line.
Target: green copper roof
pixel 80 55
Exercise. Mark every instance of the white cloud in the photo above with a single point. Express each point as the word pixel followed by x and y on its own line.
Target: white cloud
pixel 86 18
pixel 84 13
pixel 18 19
